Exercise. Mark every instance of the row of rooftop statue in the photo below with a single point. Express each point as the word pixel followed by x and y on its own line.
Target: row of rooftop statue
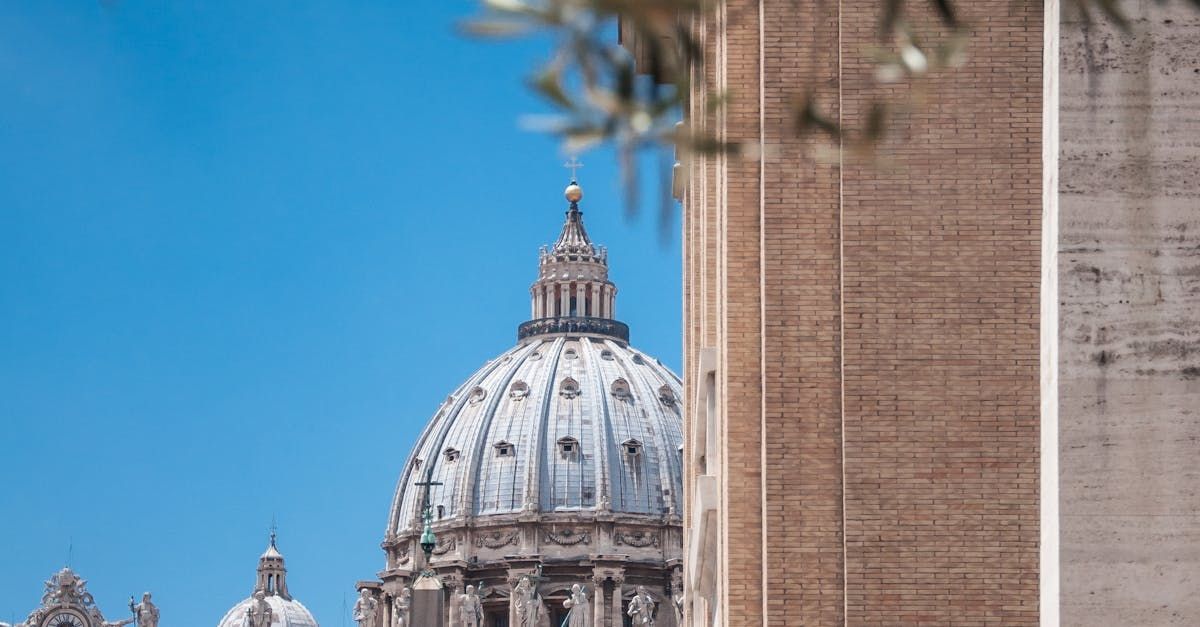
pixel 529 608
pixel 67 603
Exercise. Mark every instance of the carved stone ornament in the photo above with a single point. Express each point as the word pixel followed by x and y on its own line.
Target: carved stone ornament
pixel 639 539
pixel 498 538
pixel 67 602
pixel 67 588
pixel 445 546
pixel 568 537
pixel 402 554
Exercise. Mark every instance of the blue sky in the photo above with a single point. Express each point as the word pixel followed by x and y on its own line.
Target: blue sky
pixel 245 250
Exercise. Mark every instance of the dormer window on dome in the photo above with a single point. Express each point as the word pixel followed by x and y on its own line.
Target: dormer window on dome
pixel 620 389
pixel 477 395
pixel 518 390
pixel 666 395
pixel 568 446
pixel 569 388
pixel 632 448
pixel 451 454
pixel 504 448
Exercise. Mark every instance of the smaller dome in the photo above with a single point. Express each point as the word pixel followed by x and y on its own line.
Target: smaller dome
pixel 284 613
pixel 271 585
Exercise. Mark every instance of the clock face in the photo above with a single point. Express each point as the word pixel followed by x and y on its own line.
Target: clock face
pixel 64 619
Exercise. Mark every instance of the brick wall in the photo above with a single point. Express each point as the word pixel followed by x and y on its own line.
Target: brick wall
pixel 937 400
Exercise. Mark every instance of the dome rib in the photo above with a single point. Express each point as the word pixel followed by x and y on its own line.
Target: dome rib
pixel 469 490
pixel 603 439
pixel 442 424
pixel 649 394
pixel 533 470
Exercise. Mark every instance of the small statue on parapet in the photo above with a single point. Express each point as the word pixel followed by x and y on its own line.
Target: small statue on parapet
pixel 364 609
pixel 641 608
pixel 146 612
pixel 581 609
pixel 470 608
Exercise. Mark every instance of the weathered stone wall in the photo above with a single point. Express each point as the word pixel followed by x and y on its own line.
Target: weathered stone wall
pixel 1129 277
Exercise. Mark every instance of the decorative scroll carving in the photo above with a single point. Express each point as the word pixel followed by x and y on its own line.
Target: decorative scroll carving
pixel 65 589
pixel 445 546
pixel 402 554
pixel 568 537
pixel 639 539
pixel 498 539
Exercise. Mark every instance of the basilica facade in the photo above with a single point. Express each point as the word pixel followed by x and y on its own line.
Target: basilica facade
pixel 552 476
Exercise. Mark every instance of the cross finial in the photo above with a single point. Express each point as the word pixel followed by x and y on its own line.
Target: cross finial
pixel 574 165
pixel 274 528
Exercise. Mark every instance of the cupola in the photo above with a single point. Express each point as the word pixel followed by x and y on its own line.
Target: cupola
pixel 272 574
pixel 572 293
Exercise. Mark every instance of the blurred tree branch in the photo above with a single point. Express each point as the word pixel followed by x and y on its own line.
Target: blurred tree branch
pixel 594 85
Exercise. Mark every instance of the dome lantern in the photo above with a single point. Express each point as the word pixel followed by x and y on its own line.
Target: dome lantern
pixel 572 292
pixel 272 573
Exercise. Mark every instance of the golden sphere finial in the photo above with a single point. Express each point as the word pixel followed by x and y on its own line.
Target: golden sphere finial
pixel 573 193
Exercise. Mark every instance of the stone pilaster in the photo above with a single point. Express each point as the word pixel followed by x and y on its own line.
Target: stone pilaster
pixel 454 587
pixel 618 592
pixel 598 600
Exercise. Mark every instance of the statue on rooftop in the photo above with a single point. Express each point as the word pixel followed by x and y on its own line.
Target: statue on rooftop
pixel 641 608
pixel 581 609
pixel 145 612
pixel 259 614
pixel 400 607
pixel 364 609
pixel 470 608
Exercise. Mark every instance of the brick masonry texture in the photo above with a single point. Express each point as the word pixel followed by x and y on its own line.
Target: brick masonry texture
pixel 892 309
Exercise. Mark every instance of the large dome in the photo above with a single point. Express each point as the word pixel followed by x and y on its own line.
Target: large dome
pixel 556 464
pixel 561 422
